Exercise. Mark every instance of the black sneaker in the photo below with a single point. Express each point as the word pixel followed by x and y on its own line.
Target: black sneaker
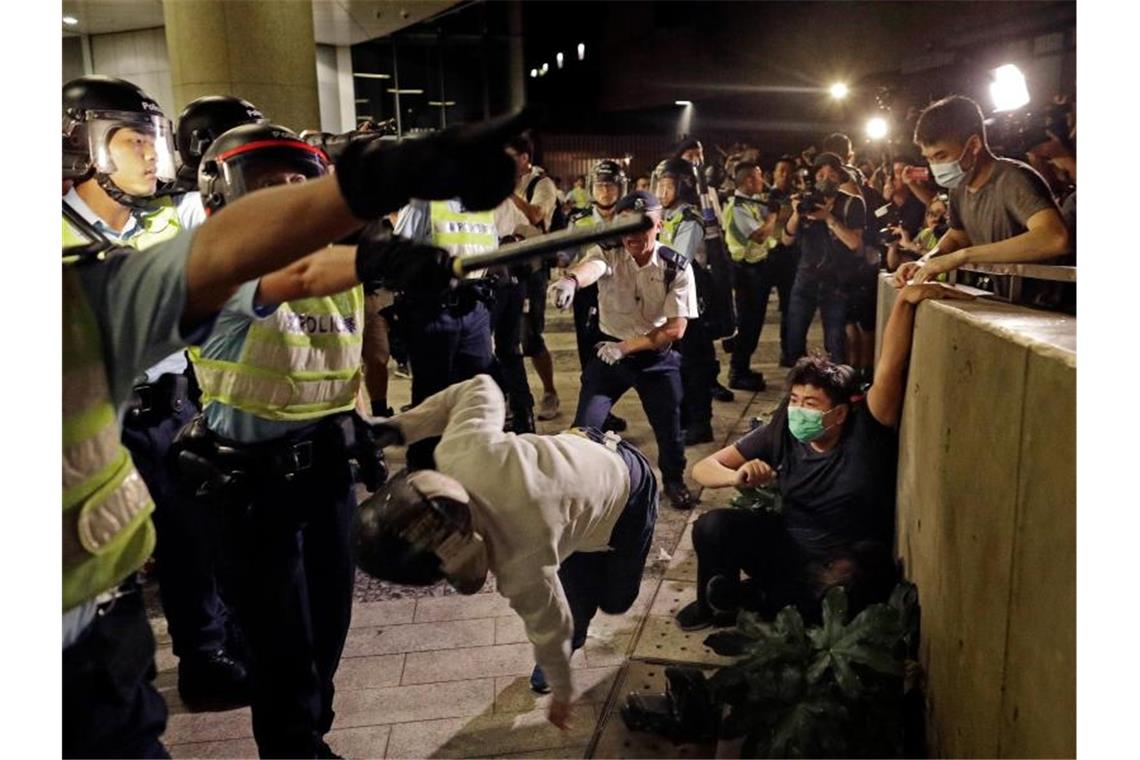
pixel 679 495
pixel 693 617
pixel 720 393
pixel 722 594
pixel 746 380
pixel 614 424
pixel 213 681
pixel 699 434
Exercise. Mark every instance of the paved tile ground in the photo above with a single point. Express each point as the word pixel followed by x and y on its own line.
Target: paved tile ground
pixel 427 673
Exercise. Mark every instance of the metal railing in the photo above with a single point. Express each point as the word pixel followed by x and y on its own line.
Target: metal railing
pixel 1017 274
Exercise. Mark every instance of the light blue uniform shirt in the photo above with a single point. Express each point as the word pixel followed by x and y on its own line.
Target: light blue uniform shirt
pixel 689 235
pixel 137 302
pixel 190 213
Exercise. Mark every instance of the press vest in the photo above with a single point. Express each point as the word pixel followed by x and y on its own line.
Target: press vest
pixel 740 246
pixel 302 363
pixel 106 531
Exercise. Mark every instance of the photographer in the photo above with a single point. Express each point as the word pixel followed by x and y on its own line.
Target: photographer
pixel 908 249
pixel 1001 211
pixel 827 223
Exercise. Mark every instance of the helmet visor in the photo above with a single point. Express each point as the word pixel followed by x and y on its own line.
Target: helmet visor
pixel 133 147
pixel 259 165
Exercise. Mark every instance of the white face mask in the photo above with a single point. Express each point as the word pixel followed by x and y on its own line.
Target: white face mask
pixel 951 173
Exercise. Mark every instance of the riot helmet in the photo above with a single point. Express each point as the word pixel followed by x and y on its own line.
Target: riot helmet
pixel 417 530
pixel 252 157
pixel 683 188
pixel 608 172
pixel 202 121
pixel 117 134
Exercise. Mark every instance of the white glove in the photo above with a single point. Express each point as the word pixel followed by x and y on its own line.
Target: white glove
pixel 561 293
pixel 609 352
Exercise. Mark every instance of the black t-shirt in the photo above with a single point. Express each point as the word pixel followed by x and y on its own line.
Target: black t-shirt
pixel 835 498
pixel 823 256
pixel 912 214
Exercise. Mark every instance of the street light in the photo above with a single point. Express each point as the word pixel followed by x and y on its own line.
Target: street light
pixel 1008 89
pixel 838 91
pixel 877 128
pixel 70 20
pixel 682 102
pixel 581 51
pixel 533 73
pixel 558 58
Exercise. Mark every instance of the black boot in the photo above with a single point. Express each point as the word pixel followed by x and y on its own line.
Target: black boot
pixel 720 393
pixel 695 434
pixel 614 423
pixel 746 380
pixel 679 495
pixel 523 422
pixel 212 681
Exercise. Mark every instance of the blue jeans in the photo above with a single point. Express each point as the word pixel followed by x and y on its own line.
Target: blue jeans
pixel 808 294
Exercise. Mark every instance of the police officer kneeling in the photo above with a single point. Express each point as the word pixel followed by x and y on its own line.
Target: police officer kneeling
pixel 645 296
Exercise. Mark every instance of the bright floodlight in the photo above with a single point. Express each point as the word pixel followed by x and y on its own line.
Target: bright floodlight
pixel 1008 89
pixel 581 51
pixel 683 102
pixel 533 73
pixel 876 128
pixel 70 20
pixel 545 68
pixel 839 90
pixel 558 58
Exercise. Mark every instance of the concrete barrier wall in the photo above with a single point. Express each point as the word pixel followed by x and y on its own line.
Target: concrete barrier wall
pixel 987 524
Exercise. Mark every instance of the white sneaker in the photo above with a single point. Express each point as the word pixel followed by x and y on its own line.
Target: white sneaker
pixel 548 409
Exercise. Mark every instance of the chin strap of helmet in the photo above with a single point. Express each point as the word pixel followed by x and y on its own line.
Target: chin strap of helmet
pixel 118 194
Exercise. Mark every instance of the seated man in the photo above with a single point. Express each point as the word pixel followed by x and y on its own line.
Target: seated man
pixel 833 459
pixel 565 521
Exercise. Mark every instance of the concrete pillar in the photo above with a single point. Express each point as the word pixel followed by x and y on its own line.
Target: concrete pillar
pixel 260 50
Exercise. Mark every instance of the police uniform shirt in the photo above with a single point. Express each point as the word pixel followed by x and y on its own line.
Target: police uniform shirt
pixel 190 213
pixel 632 300
pixel 689 235
pixel 137 302
pixel 536 499
pixel 545 193
pixel 744 222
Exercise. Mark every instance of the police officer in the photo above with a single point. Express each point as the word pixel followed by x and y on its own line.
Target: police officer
pixel 202 121
pixel 645 297
pixel 124 312
pixel 749 227
pixel 449 331
pixel 683 230
pixel 608 183
pixel 119 132
pixel 565 521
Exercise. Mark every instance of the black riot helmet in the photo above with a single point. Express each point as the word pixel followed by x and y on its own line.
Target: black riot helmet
pixel 417 530
pixel 117 134
pixel 610 172
pixel 252 157
pixel 202 121
pixel 681 172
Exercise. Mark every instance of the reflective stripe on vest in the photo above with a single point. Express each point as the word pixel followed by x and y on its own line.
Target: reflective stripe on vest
pixel 106 531
pixel 740 247
pixel 302 363
pixel 462 233
pixel 156 225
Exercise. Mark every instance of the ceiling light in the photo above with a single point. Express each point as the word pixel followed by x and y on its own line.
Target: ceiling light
pixel 405 92
pixel 1008 89
pixel 838 90
pixel 682 102
pixel 533 73
pixel 441 103
pixel 558 59
pixel 877 128
pixel 371 76
pixel 70 20
pixel 581 51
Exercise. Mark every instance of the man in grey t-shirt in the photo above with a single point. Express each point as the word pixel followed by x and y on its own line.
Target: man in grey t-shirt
pixel 1001 210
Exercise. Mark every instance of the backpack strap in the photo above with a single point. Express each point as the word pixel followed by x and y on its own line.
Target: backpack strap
pixel 675 261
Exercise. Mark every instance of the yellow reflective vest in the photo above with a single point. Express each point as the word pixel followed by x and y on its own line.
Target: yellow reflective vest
pixel 158 224
pixel 462 233
pixel 107 533
pixel 740 246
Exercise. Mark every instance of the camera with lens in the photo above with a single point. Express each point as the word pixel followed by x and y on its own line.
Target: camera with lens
pixel 888 218
pixel 810 201
pixel 1018 132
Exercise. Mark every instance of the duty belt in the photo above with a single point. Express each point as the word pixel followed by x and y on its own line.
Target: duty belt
pixel 152 402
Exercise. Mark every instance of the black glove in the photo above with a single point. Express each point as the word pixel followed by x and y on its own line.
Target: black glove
pixel 385 435
pixel 468 162
pixel 401 264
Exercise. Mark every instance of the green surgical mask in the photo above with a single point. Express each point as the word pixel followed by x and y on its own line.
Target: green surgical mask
pixel 805 424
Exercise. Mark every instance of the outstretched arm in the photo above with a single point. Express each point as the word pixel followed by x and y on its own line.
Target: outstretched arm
pixel 884 399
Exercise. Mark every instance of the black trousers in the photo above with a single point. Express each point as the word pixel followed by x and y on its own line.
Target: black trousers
pixel 292 555
pixel 586 323
pixel 184 547
pixel 506 322
pixel 609 581
pixel 751 285
pixel 656 376
pixel 699 369
pixel 445 346
pixel 533 325
pixel 782 264
pixel 110 705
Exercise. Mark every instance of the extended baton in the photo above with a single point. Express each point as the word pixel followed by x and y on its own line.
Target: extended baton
pixel 524 250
